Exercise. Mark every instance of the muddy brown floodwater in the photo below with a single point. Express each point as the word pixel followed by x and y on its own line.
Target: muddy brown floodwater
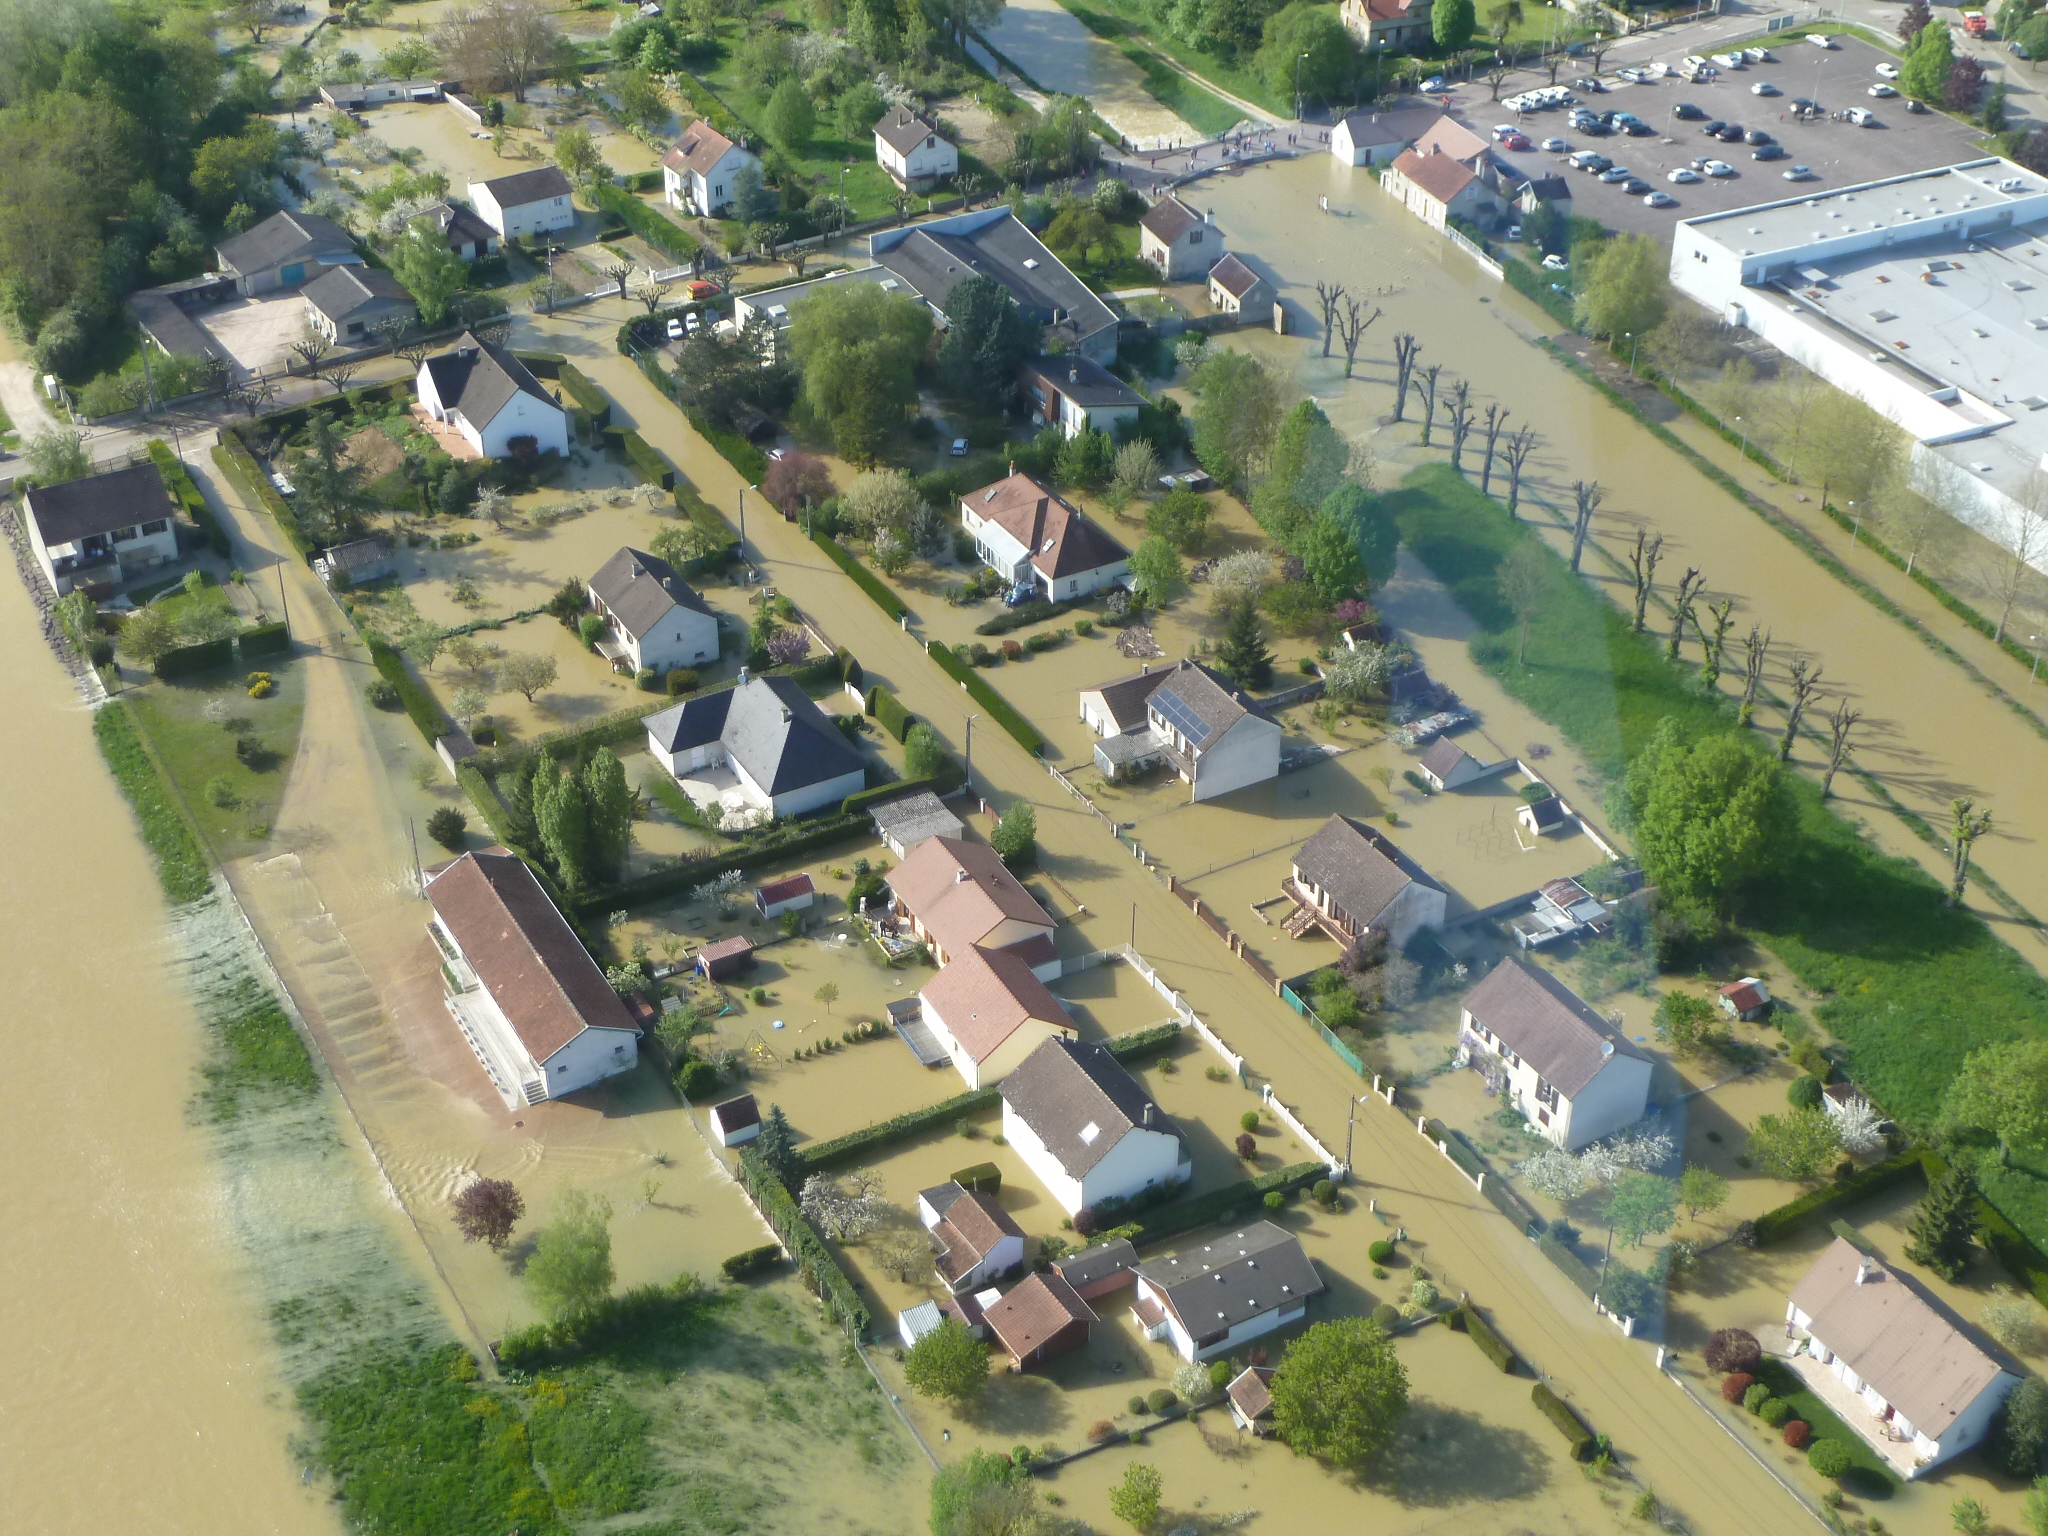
pixel 141 1391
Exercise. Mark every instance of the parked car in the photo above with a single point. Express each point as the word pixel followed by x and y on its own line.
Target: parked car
pixel 693 322
pixel 1975 24
pixel 1683 175
pixel 1769 152
pixel 1632 76
pixel 1640 129
pixel 675 328
pixel 1758 55
pixel 1660 200
pixel 959 448
pixel 1517 142
pixel 1765 88
pixel 1685 111
pixel 1915 106
pixel 1718 168
pixel 1889 70
pixel 1635 186
pixel 1615 174
pixel 1514 231
pixel 1554 263
pixel 1732 134
pixel 1433 85
pixel 1554 146
pixel 1758 136
pixel 1799 173
pixel 1589 160
pixel 1801 106
pixel 1713 129
pixel 1730 60
pixel 284 486
pixel 1881 90
pixel 1820 40
pixel 1863 117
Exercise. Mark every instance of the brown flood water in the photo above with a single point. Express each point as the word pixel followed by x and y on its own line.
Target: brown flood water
pixel 141 1392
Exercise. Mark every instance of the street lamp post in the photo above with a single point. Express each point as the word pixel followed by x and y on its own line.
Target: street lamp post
pixel 1745 438
pixel 970 752
pixel 1856 527
pixel 1634 341
pixel 1300 59
pixel 2035 642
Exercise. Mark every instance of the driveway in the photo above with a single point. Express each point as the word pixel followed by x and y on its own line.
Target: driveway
pixel 258 333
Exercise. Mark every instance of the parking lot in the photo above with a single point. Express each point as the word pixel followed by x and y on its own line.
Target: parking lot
pixel 1840 154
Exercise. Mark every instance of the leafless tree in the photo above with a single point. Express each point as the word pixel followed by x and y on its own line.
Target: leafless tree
pixel 497 330
pixel 342 372
pixel 507 44
pixel 1520 445
pixel 1681 609
pixel 1497 73
pixel 414 350
pixel 1755 650
pixel 1840 724
pixel 1643 565
pixel 310 349
pixel 768 237
pixel 391 327
pixel 1805 679
pixel 2012 570
pixel 1496 419
pixel 1458 412
pixel 1405 348
pixel 902 202
pixel 1586 496
pixel 1966 826
pixel 1715 645
pixel 1352 326
pixel 1329 296
pixel 618 270
pixel 652 291
pixel 1427 388
pixel 798 257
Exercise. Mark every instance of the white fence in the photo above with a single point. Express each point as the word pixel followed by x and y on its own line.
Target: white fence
pixel 1292 1121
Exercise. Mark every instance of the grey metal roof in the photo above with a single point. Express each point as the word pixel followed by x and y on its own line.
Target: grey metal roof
pixel 1362 871
pixel 1443 757
pixel 914 818
pixel 529 186
pixel 284 237
pixel 1066 1089
pixel 937 257
pixel 769 726
pixel 1547 1024
pixel 478 378
pixel 641 590
pixel 1234 1278
pixel 1207 700
pixel 904 130
pixel 1097 1263
pixel 78 509
pixel 693 723
pixel 341 291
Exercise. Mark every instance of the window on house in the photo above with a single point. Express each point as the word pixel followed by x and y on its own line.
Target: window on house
pixel 1207 1339
pixel 1195 238
pixel 160 525
pixel 126 535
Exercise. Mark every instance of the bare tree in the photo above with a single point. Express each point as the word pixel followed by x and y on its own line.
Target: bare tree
pixel 1713 646
pixel 1805 679
pixel 1497 73
pixel 1458 412
pixel 1965 827
pixel 1681 609
pixel 1586 496
pixel 1496 418
pixel 391 327
pixel 310 349
pixel 507 44
pixel 768 237
pixel 497 330
pixel 414 350
pixel 1352 326
pixel 1643 564
pixel 1840 724
pixel 1755 650
pixel 652 291
pixel 1329 296
pixel 2012 570
pixel 618 270
pixel 342 371
pixel 1427 388
pixel 902 202
pixel 1405 348
pixel 798 257
pixel 1519 446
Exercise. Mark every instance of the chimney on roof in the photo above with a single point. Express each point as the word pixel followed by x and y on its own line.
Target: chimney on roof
pixel 1208 215
pixel 743 677
pixel 1013 466
pixel 1074 375
pixel 1866 1271
pixel 1148 1114
pixel 786 717
pixel 959 876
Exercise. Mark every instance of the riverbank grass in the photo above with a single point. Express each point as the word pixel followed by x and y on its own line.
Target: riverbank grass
pixel 198 727
pixel 181 866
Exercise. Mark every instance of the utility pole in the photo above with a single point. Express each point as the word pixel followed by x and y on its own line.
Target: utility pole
pixel 419 877
pixel 1134 927
pixel 1350 1120
pixel 282 601
pixel 970 752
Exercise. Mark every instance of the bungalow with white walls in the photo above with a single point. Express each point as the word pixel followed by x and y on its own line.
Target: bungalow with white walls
pixel 1574 1076
pixel 1374 138
pixel 736 1121
pixel 1077 394
pixel 1207 1301
pixel 347 304
pixel 905 823
pixel 975 1242
pixel 105 527
pixel 1235 289
pixel 1449 766
pixel 958 896
pixel 1350 879
pixel 284 251
pixel 797 893
pixel 492 399
pixel 1034 538
pixel 1180 241
pixel 988 1012
pixel 653 618
pixel 1087 1128
pixel 525 204
pixel 784 756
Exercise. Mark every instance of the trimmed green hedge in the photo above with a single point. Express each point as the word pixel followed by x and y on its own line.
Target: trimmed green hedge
pixel 1533 285
pixel 1037 611
pixel 605 731
pixel 1232 1200
pixel 849 669
pixel 889 712
pixel 863 578
pixel 235 461
pixel 701 514
pixel 643 1312
pixel 265 640
pixel 594 401
pixel 737 451
pixel 1491 1344
pixel 753 1261
pixel 484 797
pixel 664 234
pixel 542 365
pixel 1569 1424
pixel 292 419
pixel 419 704
pixel 184 660
pixel 1818 1204
pixel 1575 1269
pixel 997 706
pixel 814 1259
pixel 178 481
pixel 647 463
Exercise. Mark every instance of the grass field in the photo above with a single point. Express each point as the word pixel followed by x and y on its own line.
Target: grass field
pixel 180 862
pixel 198 751
pixel 1870 1477
pixel 1912 984
pixel 1204 111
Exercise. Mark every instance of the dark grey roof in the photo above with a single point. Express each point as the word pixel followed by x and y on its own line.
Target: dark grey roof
pixel 478 378
pixel 1547 812
pixel 78 509
pixel 1212 700
pixel 1551 189
pixel 1397 127
pixel 457 224
pixel 904 130
pixel 1443 757
pixel 529 186
pixel 641 590
pixel 340 291
pixel 769 726
pixel 936 258
pixel 940 1197
pixel 1234 1278
pixel 284 237
pixel 1170 218
pixel 1547 1024
pixel 1066 1089
pixel 360 554
pixel 1084 381
pixel 1097 1263
pixel 1362 871
pixel 1233 277
pixel 1126 697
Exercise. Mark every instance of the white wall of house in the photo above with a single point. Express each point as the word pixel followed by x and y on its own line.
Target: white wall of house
pixel 522 219
pixel 1616 1097
pixel 1418 906
pixel 932 159
pixel 591 1056
pixel 523 416
pixel 1249 753
pixel 710 755
pixel 1968 1429
pixel 999 1063
pixel 1082 583
pixel 1195 252
pixel 706 194
pixel 1141 1160
pixel 1251 1328
pixel 135 548
pixel 682 637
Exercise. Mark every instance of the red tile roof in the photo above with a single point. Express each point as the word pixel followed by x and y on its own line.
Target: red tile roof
pixel 1034 1312
pixel 984 996
pixel 961 912
pixel 699 149
pixel 777 891
pixel 1438 175
pixel 1062 541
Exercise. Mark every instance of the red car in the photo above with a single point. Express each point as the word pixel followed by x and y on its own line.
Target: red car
pixel 1514 141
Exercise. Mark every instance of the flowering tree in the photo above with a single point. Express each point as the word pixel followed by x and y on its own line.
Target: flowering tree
pixel 1856 1123
pixel 1557 1174
pixel 788 646
pixel 845 1208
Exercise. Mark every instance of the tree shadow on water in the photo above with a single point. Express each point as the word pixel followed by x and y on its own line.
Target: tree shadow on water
pixel 1444 1456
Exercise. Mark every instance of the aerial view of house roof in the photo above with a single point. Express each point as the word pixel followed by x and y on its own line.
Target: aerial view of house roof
pixel 1233 277
pixel 776 892
pixel 1080 1102
pixel 936 258
pixel 961 892
pixel 642 589
pixel 1438 174
pixel 1444 756
pixel 1362 870
pixel 1208 698
pixel 1087 383
pixel 769 726
pixel 1233 1278
pixel 1170 218
pixel 341 291
pixel 77 509
pixel 1063 540
pixel 1450 138
pixel 904 130
pixel 529 186
pixel 699 149
pixel 284 237
pixel 910 820
pixel 476 378
pixel 986 995
pixel 1034 1312
pixel 1547 1024
pixel 1125 697
pixel 969 1227
pixel 1098 1262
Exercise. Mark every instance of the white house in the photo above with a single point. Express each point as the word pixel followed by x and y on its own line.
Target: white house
pixel 525 204
pixel 1373 138
pixel 1545 817
pixel 1385 24
pixel 653 618
pixel 1235 289
pixel 491 398
pixel 1905 1375
pixel 1209 1300
pixel 1212 734
pixel 1177 239
pixel 284 251
pixel 1446 765
pixel 988 1012
pixel 1572 1075
pixel 1435 187
pixel 698 172
pixel 793 893
pixel 1079 395
pixel 1349 879
pixel 1746 999
pixel 520 985
pixel 913 151
pixel 1033 538
pixel 346 304
pixel 1087 1128
pixel 105 527
pixel 974 1240
pixel 957 895
pixel 783 755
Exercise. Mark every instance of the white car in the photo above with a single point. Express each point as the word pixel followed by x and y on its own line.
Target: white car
pixel 1730 60
pixel 1432 85
pixel 1718 168
pixel 1889 71
pixel 693 322
pixel 284 486
pixel 1632 76
pixel 1763 88
pixel 675 328
pixel 1820 40
pixel 1683 175
pixel 1758 55
pixel 1502 130
pixel 1555 146
pixel 1881 90
pixel 1554 263
pixel 1799 173
pixel 1660 200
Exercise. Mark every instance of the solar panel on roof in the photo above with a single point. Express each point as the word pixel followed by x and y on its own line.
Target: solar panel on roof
pixel 1179 714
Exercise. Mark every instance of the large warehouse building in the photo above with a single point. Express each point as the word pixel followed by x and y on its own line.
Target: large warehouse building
pixel 1926 296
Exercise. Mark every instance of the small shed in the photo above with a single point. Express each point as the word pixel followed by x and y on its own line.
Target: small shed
pixel 905 823
pixel 1545 817
pixel 1446 765
pixel 1099 1270
pixel 913 1323
pixel 736 1120
pixel 358 561
pixel 1251 1399
pixel 454 749
pixel 780 896
pixel 1747 999
pixel 728 957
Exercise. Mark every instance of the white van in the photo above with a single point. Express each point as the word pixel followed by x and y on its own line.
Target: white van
pixel 1820 40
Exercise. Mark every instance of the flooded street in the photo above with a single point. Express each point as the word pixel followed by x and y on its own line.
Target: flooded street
pixel 1051 46
pixel 142 1388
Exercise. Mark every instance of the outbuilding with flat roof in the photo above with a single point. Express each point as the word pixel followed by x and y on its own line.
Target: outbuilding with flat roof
pixel 903 824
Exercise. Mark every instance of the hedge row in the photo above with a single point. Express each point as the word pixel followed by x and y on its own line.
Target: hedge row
pixel 664 234
pixel 863 578
pixel 1037 611
pixel 292 419
pixel 1569 1424
pixel 184 660
pixel 641 181
pixel 1575 1269
pixel 642 1312
pixel 542 365
pixel 814 1260
pixel 235 461
pixel 737 451
pixel 605 731
pixel 264 640
pixel 484 796
pixel 648 464
pixel 419 704
pixel 587 395
pixel 1491 1344
pixel 849 669
pixel 752 1261
pixel 1531 284
pixel 777 843
pixel 178 481
pixel 701 514
pixel 997 706
pixel 889 712
pixel 1221 1204
pixel 1818 1204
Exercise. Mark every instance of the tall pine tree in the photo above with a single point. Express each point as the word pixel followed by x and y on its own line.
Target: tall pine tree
pixel 610 805
pixel 776 1144
pixel 1243 657
pixel 1945 1224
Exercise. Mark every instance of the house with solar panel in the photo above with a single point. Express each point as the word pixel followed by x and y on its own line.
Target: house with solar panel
pixel 1211 733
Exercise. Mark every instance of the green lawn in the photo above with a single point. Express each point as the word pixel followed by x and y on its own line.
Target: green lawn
pixel 1911 984
pixel 1869 1477
pixel 1204 111
pixel 195 750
